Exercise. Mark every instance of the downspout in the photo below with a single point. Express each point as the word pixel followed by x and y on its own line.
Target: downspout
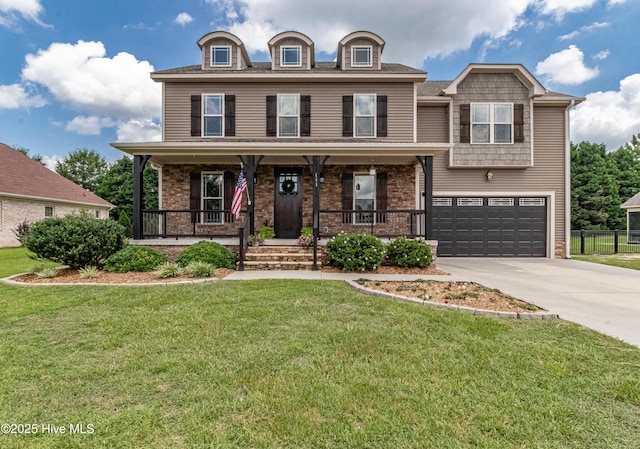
pixel 567 183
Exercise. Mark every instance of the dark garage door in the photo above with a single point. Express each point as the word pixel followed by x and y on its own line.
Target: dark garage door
pixel 490 227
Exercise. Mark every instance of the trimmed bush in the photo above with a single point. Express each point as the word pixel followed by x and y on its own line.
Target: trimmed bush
pixel 75 240
pixel 135 258
pixel 267 232
pixel 210 252
pixel 355 252
pixel 409 253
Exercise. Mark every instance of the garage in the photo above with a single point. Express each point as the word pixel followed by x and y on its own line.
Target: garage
pixel 490 226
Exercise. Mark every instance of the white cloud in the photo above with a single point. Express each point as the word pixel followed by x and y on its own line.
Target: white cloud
pixel 80 76
pixel 14 96
pixel 558 8
pixel 28 9
pixel 139 131
pixel 586 28
pixel 426 29
pixel 601 55
pixel 89 126
pixel 183 19
pixel 566 67
pixel 610 117
pixel 52 160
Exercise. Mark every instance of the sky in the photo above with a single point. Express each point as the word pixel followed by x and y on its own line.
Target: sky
pixel 75 73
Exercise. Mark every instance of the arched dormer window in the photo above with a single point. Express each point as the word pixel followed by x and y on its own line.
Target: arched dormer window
pixel 360 50
pixel 292 50
pixel 222 50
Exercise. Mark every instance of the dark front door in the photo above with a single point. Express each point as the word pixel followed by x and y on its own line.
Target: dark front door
pixel 288 203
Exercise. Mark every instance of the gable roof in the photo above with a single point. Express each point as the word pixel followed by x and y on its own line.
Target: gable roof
pixel 634 201
pixel 23 177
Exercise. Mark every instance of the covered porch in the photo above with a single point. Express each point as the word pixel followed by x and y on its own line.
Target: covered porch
pixel 329 187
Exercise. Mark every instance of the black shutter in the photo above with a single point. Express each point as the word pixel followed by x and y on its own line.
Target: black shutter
pixel 465 123
pixel 229 189
pixel 230 115
pixel 381 112
pixel 196 115
pixel 347 116
pixel 381 196
pixel 195 185
pixel 272 115
pixel 347 196
pixel 305 115
pixel 518 123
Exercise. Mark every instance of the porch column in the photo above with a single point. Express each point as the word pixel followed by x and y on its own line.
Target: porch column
pixel 139 162
pixel 251 167
pixel 316 167
pixel 427 168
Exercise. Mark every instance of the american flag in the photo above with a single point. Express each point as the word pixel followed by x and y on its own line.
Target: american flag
pixel 241 186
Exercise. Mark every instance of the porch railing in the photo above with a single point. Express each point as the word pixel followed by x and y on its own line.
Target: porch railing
pixel 381 223
pixel 190 223
pixel 222 224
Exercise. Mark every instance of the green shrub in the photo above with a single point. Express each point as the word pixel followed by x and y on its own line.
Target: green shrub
pixel 47 272
pixel 267 232
pixel 409 253
pixel 135 258
pixel 168 270
pixel 210 252
pixel 306 230
pixel 355 252
pixel 199 269
pixel 125 222
pixel 75 240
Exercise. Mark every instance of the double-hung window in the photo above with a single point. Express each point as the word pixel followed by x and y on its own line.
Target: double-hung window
pixel 361 56
pixel 291 56
pixel 491 123
pixel 364 115
pixel 212 197
pixel 288 115
pixel 213 115
pixel 364 198
pixel 220 56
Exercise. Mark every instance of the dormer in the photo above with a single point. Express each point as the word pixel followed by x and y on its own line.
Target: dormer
pixel 360 50
pixel 223 51
pixel 291 50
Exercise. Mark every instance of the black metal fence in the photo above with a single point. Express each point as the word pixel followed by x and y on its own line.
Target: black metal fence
pixel 605 242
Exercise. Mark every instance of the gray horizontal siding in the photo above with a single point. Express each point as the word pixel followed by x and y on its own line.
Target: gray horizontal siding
pixel 433 124
pixel 326 107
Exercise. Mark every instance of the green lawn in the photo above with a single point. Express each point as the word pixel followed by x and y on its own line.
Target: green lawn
pixel 301 364
pixel 617 260
pixel 15 260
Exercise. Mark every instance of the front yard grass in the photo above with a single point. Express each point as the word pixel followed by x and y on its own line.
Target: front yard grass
pixel 617 260
pixel 302 364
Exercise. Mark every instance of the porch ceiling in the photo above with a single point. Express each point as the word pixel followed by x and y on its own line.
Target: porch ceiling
pixel 283 153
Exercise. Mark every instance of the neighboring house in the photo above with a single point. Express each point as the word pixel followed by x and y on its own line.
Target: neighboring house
pixel 29 192
pixel 480 163
pixel 633 218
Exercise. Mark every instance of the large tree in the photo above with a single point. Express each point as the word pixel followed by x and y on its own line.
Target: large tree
pixel 116 186
pixel 84 167
pixel 595 200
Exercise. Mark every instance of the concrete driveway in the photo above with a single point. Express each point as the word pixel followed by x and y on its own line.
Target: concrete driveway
pixel 600 297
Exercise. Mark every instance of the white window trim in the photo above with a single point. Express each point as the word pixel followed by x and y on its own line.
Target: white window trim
pixel 297 116
pixel 53 211
pixel 203 198
pixel 375 198
pixel 228 47
pixel 282 49
pixel 375 116
pixel 492 123
pixel 202 127
pixel 360 47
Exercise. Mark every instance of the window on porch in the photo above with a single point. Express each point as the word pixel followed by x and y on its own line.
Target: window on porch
pixel 212 198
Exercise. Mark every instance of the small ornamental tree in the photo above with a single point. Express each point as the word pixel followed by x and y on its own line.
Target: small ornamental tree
pixel 75 240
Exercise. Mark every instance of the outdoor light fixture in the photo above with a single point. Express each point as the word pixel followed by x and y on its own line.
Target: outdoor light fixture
pixel 489 176
pixel 321 178
pixel 372 170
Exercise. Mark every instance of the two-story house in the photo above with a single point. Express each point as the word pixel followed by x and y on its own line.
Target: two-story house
pixel 479 164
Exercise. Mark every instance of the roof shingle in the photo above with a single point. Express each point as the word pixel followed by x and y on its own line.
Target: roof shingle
pixel 21 175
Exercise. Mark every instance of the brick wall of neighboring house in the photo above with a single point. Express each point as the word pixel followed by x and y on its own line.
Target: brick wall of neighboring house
pixel 13 212
pixel 400 195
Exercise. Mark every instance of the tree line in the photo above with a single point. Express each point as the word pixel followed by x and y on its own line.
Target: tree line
pixel 601 181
